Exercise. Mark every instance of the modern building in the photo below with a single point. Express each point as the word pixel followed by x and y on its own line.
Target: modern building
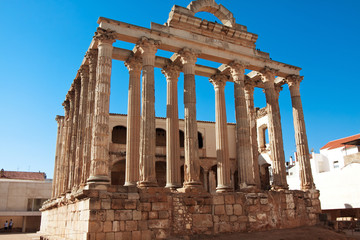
pixel 336 172
pixel 21 197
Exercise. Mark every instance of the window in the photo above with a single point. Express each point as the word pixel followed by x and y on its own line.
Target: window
pixel 34 204
pixel 119 135
pixel 336 164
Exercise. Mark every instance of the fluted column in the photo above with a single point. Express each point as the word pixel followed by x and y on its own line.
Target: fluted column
pixel 191 145
pixel 148 48
pixel 243 142
pixel 84 73
pixel 133 122
pixel 173 177
pixel 222 146
pixel 99 169
pixel 274 130
pixel 249 97
pixel 302 147
pixel 75 123
pixel 69 106
pixel 92 56
pixel 55 183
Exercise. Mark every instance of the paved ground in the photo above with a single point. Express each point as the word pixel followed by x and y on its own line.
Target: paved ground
pixel 306 233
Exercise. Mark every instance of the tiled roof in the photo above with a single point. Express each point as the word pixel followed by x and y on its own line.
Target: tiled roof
pixel 339 142
pixel 39 176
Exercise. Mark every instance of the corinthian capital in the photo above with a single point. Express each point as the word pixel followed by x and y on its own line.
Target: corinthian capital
pixel 92 55
pixel 294 80
pixel 188 56
pixel 147 45
pixel 237 69
pixel 171 71
pixel 249 85
pixel 218 80
pixel 105 35
pixel 133 64
pixel 84 72
pixel 268 74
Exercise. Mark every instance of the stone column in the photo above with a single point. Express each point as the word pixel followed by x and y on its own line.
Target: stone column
pixel 173 177
pixel 243 142
pixel 249 97
pixel 92 56
pixel 64 171
pixel 206 179
pixel 148 48
pixel 84 73
pixel 302 147
pixel 133 122
pixel 99 168
pixel 191 145
pixel 274 130
pixel 222 148
pixel 72 160
pixel 55 183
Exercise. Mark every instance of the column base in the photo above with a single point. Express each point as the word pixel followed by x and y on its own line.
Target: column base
pixel 173 185
pixel 97 182
pixel 144 184
pixel 279 188
pixel 130 184
pixel 222 189
pixel 193 184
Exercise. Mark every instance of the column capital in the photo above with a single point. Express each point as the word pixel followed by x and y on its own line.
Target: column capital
pixel 188 56
pixel 278 89
pixel 249 85
pixel 133 64
pixel 105 36
pixel 58 118
pixel 71 93
pixel 91 55
pixel 171 72
pixel 294 80
pixel 237 69
pixel 218 80
pixel 268 74
pixel 84 72
pixel 147 45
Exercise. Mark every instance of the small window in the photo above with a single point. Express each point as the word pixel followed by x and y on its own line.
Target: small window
pixel 119 135
pixel 34 204
pixel 336 164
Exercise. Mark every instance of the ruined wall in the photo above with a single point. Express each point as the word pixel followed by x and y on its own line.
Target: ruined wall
pixel 131 213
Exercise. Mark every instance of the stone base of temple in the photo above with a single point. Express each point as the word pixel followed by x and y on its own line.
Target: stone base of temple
pixel 158 213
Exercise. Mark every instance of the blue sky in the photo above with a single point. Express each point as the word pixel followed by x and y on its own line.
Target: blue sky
pixel 43 44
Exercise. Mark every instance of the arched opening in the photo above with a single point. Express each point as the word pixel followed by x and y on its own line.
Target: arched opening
pixel 118 173
pixel 119 135
pixel 160 137
pixel 181 138
pixel 160 167
pixel 200 140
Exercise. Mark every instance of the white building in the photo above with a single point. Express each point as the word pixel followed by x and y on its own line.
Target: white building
pixel 336 172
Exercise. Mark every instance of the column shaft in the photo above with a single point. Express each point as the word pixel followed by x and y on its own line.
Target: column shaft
pixel 92 56
pixel 69 124
pixel 222 147
pixel 56 177
pixel 147 128
pixel 74 133
pixel 274 130
pixel 249 96
pixel 302 147
pixel 173 177
pixel 243 142
pixel 99 169
pixel 133 122
pixel 191 145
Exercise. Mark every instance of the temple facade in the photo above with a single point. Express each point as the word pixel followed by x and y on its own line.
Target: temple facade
pixel 111 187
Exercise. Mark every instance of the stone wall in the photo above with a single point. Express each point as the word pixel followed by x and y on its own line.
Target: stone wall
pixel 158 213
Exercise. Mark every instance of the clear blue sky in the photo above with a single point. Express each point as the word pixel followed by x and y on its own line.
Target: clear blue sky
pixel 43 43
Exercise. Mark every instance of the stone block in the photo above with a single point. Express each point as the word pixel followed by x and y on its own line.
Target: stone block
pixel 110 215
pixel 261 216
pixel 130 204
pixel 146 235
pixel 158 206
pixel 100 235
pixel 163 214
pixel 229 209
pixel 264 201
pixel 131 226
pixel 218 199
pixel 158 223
pixel 95 226
pixel 105 203
pixel 110 236
pixel 229 199
pixel 219 209
pixel 95 204
pixel 133 196
pixel 122 235
pixel 122 225
pixel 233 218
pixel 143 225
pixel 107 227
pixel 145 207
pixel 136 215
pixel 136 235
pixel 116 226
pixel 123 215
pixel 144 215
pixel 239 198
pixel 117 204
pixel 238 210
pixel 153 215
pixel 160 234
pixel 204 209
